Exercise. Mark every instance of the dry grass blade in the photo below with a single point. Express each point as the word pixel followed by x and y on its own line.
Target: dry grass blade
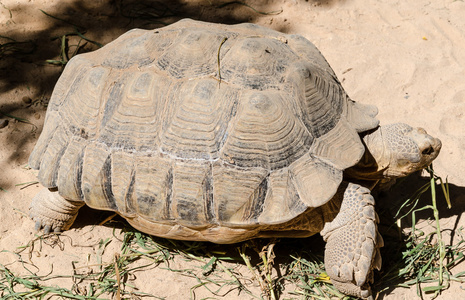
pixel 11 46
pixel 250 267
pixel 62 20
pixel 24 185
pixel 277 12
pixel 22 120
pixel 152 12
pixel 262 271
pixel 105 283
pixel 311 279
pixel 427 261
pixel 64 47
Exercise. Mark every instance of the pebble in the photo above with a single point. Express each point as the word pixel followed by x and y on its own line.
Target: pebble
pixel 27 100
pixel 3 123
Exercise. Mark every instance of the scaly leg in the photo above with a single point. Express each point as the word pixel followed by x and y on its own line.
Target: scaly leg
pixel 52 212
pixel 353 242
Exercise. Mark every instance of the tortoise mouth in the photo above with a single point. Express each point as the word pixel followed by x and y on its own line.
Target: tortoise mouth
pixel 403 172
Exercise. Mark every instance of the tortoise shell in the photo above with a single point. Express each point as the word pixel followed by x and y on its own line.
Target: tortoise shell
pixel 201 125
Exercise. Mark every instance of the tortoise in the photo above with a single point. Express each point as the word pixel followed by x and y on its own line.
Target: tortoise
pixel 222 133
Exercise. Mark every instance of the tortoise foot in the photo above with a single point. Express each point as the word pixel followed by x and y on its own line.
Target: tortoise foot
pixel 353 242
pixel 52 212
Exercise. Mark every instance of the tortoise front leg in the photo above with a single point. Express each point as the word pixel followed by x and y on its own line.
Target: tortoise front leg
pixel 353 242
pixel 52 212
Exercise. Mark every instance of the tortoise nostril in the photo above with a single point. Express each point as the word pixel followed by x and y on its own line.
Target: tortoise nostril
pixel 427 151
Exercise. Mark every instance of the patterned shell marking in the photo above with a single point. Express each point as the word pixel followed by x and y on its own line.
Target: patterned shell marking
pixel 146 127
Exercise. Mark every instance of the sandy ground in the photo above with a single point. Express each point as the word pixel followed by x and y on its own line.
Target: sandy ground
pixel 406 57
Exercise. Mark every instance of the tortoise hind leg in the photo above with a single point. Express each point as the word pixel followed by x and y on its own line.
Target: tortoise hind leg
pixel 52 212
pixel 353 242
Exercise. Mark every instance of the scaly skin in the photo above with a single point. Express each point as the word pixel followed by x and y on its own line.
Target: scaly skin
pixel 52 212
pixel 353 242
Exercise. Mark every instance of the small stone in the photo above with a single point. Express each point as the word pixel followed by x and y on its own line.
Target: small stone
pixel 3 123
pixel 37 116
pixel 27 100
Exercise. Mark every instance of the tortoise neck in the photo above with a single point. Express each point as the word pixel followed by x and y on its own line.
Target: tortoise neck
pixel 373 164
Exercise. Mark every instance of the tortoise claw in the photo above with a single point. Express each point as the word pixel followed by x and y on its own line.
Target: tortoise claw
pixel 47 229
pixel 38 226
pixel 52 212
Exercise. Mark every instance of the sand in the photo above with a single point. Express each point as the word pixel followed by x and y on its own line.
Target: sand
pixel 406 57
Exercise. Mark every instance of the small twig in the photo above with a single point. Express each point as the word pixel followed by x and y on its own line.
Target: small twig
pixel 107 219
pixel 118 279
pixel 218 58
pixel 267 256
pixel 26 184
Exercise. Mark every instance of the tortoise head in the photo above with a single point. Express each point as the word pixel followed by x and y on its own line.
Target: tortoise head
pixel 395 150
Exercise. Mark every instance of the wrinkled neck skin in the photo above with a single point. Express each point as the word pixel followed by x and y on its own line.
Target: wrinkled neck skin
pixel 372 167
